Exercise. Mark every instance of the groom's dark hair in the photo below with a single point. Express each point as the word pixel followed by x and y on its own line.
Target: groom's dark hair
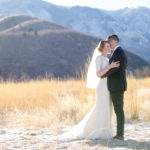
pixel 114 37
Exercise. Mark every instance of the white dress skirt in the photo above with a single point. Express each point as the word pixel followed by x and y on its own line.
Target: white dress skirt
pixel 97 124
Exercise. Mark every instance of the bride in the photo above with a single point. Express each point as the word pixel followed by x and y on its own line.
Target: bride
pixel 97 124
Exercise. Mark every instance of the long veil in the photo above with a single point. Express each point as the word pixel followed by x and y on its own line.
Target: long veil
pixel 92 78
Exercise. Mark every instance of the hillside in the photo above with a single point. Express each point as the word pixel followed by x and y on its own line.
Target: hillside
pixel 131 24
pixel 35 47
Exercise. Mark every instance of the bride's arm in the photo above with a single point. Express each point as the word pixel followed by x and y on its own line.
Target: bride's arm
pixel 104 71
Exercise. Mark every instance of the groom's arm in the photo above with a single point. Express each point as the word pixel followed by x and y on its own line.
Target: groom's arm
pixel 117 57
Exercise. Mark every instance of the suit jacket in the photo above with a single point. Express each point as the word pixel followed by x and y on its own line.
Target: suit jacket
pixel 116 77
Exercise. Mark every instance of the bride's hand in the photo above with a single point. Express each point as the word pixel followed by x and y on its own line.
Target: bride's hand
pixel 115 64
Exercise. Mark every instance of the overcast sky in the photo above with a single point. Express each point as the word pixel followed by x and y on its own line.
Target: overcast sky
pixel 103 4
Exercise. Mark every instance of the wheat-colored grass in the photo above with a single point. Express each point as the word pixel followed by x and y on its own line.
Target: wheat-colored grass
pixel 48 103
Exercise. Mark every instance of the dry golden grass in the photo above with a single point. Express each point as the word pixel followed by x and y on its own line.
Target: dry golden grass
pixel 48 103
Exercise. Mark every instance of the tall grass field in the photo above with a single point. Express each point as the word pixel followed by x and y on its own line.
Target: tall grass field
pixel 54 102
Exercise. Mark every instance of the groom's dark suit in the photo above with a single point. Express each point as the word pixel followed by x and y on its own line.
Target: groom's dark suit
pixel 117 84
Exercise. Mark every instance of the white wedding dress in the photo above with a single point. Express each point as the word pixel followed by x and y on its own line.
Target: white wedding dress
pixel 97 124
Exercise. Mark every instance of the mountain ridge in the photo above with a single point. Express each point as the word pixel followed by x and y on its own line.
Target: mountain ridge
pixel 56 50
pixel 132 28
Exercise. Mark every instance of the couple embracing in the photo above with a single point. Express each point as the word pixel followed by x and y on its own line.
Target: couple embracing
pixel 108 77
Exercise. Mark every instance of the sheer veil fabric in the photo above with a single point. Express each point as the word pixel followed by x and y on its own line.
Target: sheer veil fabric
pixel 92 78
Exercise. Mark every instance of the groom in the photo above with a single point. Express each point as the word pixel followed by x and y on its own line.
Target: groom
pixel 117 83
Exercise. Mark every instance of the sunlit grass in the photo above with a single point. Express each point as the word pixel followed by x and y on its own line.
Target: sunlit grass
pixel 46 103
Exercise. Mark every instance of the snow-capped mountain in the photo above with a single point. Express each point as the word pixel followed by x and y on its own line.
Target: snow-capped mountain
pixel 101 24
pixel 131 24
pixel 36 8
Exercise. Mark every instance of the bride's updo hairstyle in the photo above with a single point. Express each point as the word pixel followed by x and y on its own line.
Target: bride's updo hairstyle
pixel 101 45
